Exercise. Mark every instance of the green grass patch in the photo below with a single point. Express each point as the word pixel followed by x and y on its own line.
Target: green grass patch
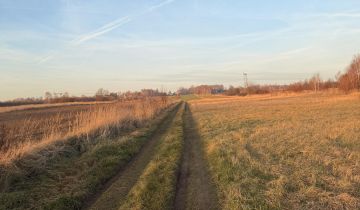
pixel 156 187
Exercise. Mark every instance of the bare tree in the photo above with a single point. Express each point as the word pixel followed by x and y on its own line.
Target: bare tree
pixel 355 67
pixel 350 80
pixel 315 81
pixel 48 96
pixel 102 92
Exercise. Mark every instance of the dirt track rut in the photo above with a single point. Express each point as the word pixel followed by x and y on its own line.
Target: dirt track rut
pixel 194 189
pixel 116 190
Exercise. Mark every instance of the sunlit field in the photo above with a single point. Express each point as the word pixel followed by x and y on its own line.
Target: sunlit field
pixel 57 159
pixel 283 152
pixel 41 106
pixel 184 105
pixel 27 131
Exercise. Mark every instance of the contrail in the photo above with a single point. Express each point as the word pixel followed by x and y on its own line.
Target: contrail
pixel 45 58
pixel 103 30
pixel 152 8
pixel 117 23
pixel 107 28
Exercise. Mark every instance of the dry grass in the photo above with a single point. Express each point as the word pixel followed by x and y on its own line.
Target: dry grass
pixel 30 135
pixel 40 106
pixel 65 173
pixel 293 152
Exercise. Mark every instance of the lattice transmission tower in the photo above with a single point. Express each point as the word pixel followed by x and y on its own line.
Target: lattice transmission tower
pixel 246 84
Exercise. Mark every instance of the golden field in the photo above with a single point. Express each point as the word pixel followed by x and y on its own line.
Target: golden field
pixel 42 106
pixel 283 152
pixel 30 130
pixel 70 153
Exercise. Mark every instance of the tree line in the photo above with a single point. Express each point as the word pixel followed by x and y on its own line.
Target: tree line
pixel 100 95
pixel 346 81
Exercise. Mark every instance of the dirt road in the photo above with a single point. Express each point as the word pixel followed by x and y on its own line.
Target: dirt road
pixel 194 189
pixel 115 191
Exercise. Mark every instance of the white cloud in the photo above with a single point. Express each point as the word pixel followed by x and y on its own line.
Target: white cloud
pixel 338 15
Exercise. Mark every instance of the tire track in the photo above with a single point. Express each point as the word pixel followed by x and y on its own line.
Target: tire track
pixel 195 189
pixel 116 190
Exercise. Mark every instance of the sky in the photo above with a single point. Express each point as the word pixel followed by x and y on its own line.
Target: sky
pixel 79 46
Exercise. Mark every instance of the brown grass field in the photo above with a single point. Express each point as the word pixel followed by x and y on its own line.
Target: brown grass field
pixel 283 152
pixel 69 153
pixel 276 151
pixel 44 106
pixel 29 128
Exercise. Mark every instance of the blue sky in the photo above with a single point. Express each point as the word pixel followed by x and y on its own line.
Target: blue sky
pixel 80 46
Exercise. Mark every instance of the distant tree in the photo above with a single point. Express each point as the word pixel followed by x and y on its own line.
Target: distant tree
pixel 354 70
pixel 346 83
pixel 101 92
pixel 315 82
pixel 48 97
pixel 350 80
pixel 182 91
pixel 329 84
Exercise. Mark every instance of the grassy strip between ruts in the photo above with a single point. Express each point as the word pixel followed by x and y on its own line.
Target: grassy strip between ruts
pixel 69 180
pixel 156 187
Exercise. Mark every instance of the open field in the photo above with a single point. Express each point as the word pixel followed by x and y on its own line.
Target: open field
pixel 289 151
pixel 23 131
pixel 63 175
pixel 43 106
pixel 297 152
pixel 179 105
